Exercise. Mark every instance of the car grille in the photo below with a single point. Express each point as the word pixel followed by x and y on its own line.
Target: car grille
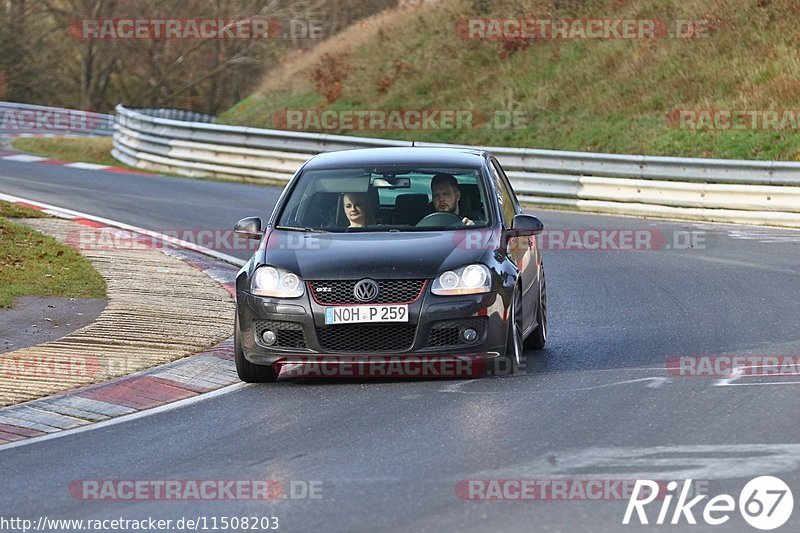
pixel 367 337
pixel 448 332
pixel 389 291
pixel 288 334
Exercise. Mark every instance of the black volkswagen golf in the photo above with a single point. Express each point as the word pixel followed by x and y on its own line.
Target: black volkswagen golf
pixel 391 254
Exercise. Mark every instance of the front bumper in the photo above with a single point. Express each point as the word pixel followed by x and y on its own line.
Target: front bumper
pixel 428 336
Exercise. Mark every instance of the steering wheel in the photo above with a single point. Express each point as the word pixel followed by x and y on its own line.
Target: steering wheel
pixel 440 218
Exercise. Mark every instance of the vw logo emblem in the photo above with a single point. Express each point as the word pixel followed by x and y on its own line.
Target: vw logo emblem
pixel 366 290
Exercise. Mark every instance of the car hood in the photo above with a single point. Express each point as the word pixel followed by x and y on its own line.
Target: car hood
pixel 329 256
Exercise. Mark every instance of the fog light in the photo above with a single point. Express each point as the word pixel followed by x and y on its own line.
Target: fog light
pixel 469 334
pixel 269 337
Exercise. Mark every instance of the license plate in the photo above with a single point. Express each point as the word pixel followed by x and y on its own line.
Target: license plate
pixel 354 314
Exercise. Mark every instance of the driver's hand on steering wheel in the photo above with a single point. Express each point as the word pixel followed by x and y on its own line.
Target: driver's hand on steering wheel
pixel 468 222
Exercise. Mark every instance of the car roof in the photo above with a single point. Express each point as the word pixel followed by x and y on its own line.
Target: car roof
pixel 454 157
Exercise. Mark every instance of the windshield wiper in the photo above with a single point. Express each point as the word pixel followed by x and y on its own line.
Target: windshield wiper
pixel 308 230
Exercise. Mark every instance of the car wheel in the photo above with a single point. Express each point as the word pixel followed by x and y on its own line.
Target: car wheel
pixel 514 353
pixel 247 371
pixel 538 336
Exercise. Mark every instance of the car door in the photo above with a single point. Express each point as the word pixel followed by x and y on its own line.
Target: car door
pixel 521 250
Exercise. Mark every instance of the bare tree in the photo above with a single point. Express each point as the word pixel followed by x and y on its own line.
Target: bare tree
pixel 47 63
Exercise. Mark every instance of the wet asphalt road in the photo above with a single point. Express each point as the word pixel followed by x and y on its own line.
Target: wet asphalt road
pixel 598 403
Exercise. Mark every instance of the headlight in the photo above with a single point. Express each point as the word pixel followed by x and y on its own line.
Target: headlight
pixel 471 279
pixel 276 282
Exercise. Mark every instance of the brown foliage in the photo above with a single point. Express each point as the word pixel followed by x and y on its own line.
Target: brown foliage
pixel 400 68
pixel 329 74
pixel 384 83
pixel 507 48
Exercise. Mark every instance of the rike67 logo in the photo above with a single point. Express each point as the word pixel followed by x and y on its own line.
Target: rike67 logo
pixel 765 503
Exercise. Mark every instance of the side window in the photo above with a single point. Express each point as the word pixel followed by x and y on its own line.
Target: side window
pixel 505 197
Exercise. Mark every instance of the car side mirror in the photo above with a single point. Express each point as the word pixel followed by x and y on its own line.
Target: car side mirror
pixel 524 225
pixel 249 228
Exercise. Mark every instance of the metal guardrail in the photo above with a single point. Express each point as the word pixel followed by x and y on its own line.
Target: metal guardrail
pixel 757 192
pixel 179 114
pixel 26 120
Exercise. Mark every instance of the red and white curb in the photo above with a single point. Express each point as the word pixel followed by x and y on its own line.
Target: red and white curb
pixel 204 372
pixel 28 158
pixel 184 379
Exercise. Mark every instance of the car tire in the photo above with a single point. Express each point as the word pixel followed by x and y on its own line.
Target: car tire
pixel 514 349
pixel 247 371
pixel 538 337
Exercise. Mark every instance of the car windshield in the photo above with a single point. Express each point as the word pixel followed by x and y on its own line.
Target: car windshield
pixel 386 199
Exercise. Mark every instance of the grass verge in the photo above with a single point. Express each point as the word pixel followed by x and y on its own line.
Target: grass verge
pixel 76 149
pixel 597 95
pixel 97 150
pixel 32 264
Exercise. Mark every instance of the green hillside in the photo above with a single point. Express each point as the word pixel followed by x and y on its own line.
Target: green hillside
pixel 608 95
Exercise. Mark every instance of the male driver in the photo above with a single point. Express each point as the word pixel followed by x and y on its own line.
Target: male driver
pixel 446 195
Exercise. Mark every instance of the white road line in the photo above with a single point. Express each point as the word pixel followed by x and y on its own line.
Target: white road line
pixel 126 418
pixel 166 238
pixel 652 383
pixel 738 373
pixel 765 384
pixel 456 387
pixel 24 158
pixel 87 166
pixel 679 461
pixel 59 214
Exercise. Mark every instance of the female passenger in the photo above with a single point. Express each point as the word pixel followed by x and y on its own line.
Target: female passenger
pixel 357 209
